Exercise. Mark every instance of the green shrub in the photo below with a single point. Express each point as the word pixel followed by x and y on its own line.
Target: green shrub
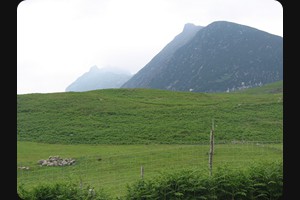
pixel 182 185
pixel 260 181
pixel 267 181
pixel 232 184
pixel 61 191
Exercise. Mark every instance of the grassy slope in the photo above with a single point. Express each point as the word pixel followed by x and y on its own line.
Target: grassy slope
pixel 143 116
pixel 271 88
pixel 120 164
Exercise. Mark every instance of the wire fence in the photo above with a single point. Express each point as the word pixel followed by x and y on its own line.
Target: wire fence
pixel 113 171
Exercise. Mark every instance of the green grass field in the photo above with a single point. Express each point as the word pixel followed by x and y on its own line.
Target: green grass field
pixel 120 164
pixel 276 87
pixel 112 133
pixel 147 116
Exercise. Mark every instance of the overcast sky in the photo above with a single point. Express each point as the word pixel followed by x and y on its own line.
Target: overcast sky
pixel 59 40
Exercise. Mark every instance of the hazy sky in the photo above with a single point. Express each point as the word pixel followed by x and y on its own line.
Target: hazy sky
pixel 59 40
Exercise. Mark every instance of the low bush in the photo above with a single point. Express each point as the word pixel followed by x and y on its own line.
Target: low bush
pixel 256 182
pixel 61 191
pixel 261 181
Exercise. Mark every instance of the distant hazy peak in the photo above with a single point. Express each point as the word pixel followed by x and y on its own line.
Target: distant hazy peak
pixel 95 78
pixel 94 68
pixel 190 27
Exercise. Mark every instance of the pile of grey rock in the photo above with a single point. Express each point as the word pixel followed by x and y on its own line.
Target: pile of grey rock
pixel 23 168
pixel 56 161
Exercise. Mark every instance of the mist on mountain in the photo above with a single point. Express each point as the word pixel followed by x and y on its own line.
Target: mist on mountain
pixel 103 78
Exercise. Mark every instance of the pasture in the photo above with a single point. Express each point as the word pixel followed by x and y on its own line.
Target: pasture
pixel 114 133
pixel 113 167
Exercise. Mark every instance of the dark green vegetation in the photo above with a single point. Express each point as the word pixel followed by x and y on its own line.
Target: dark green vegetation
pixel 61 191
pixel 260 181
pixel 148 116
pixel 264 181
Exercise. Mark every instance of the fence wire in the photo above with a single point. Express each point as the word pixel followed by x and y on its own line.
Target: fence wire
pixel 114 171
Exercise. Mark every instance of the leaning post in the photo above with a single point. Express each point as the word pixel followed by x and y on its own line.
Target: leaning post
pixel 211 150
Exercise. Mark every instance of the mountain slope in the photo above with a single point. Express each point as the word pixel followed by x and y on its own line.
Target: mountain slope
pixel 222 56
pixel 98 79
pixel 158 64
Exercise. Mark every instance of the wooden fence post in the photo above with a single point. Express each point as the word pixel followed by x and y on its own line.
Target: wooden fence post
pixel 211 151
pixel 142 171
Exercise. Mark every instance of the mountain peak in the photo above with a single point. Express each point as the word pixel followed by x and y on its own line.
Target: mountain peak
pixel 94 68
pixel 189 27
pixel 222 56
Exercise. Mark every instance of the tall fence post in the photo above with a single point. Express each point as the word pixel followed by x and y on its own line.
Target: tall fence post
pixel 142 172
pixel 211 150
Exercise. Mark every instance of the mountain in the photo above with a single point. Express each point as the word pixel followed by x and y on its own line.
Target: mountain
pixel 97 78
pixel 158 64
pixel 223 56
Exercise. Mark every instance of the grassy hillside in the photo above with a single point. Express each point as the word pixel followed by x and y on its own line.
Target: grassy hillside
pixel 147 116
pixel 276 87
